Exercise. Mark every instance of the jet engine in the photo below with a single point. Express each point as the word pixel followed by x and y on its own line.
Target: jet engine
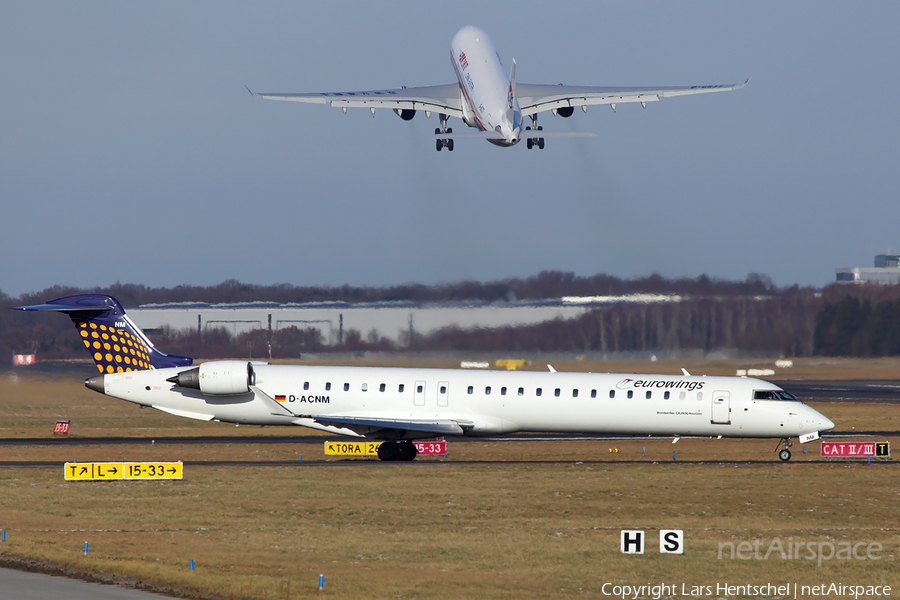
pixel 218 377
pixel 405 113
pixel 565 111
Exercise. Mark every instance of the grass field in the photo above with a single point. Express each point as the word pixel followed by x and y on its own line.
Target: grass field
pixel 437 527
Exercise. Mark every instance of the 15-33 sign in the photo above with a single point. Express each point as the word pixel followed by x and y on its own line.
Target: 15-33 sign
pixel 123 470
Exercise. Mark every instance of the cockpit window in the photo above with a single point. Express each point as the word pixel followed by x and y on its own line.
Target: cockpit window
pixel 773 395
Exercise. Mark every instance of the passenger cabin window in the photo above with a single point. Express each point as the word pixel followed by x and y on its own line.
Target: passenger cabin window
pixel 443 389
pixel 538 392
pixel 305 385
pixel 346 387
pixel 382 387
pixel 471 389
pixel 593 393
pixel 612 393
pixel 665 395
pixel 648 394
pixel 401 388
pixel 556 392
pixel 327 386
pixel 521 391
pixel 574 393
pixel 699 395
pixel 487 391
pixel 420 389
pixel 682 395
pixel 630 394
pixel 503 391
pixel 365 387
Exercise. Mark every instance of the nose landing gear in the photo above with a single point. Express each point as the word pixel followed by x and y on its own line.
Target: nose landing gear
pixel 534 141
pixel 783 453
pixel 443 130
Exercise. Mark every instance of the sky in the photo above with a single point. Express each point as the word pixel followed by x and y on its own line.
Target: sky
pixel 130 151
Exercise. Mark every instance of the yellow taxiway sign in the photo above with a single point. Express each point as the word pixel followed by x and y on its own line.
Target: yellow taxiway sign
pixel 120 470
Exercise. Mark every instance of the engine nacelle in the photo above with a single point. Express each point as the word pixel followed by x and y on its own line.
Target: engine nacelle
pixel 565 111
pixel 218 377
pixel 405 113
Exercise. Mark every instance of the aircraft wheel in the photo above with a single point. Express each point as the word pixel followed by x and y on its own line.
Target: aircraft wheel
pixel 540 128
pixel 541 143
pixel 528 128
pixel 450 145
pixel 388 451
pixel 449 130
pixel 407 451
pixel 784 455
pixel 438 144
pixel 437 130
pixel 530 143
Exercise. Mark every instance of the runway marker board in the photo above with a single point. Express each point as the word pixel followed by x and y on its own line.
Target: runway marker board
pixel 123 470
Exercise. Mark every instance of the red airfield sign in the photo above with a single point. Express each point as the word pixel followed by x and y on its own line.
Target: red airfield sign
pixel 839 449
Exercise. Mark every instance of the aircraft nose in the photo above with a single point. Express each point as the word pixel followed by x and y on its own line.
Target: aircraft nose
pixel 825 424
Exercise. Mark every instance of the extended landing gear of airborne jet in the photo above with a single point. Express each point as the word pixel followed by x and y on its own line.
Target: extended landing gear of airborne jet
pixel 443 143
pixel 784 454
pixel 532 142
pixel 403 450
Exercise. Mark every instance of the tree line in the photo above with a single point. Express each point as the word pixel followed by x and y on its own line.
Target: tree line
pixel 751 315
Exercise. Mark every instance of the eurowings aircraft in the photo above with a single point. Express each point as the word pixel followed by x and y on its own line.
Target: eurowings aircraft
pixel 399 405
pixel 489 100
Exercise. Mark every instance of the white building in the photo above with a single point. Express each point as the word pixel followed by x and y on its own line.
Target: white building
pixel 393 320
pixel 885 271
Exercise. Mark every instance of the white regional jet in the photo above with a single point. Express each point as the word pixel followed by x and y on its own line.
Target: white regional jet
pixel 398 405
pixel 489 100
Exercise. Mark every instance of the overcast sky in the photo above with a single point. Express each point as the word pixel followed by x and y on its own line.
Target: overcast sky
pixel 131 152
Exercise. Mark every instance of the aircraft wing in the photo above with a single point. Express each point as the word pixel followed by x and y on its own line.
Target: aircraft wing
pixel 538 98
pixel 440 98
pixel 435 426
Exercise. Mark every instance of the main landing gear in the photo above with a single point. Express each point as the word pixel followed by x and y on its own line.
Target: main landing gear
pixel 443 143
pixel 532 142
pixel 403 450
pixel 784 454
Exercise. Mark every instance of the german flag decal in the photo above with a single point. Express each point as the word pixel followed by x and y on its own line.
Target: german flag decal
pixel 279 398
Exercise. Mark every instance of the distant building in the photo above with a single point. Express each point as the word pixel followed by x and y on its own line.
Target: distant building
pixel 885 271
pixel 398 321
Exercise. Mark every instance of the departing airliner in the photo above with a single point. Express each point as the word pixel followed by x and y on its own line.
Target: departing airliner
pixel 489 100
pixel 398 405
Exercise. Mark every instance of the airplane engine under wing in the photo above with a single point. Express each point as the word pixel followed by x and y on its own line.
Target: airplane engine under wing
pixel 405 113
pixel 565 111
pixel 219 377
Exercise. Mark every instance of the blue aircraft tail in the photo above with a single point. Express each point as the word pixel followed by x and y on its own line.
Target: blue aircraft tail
pixel 114 341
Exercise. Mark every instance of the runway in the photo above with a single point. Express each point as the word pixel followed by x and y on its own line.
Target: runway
pixel 853 390
pixel 22 585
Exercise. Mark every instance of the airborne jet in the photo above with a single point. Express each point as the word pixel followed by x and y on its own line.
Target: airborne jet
pixel 489 100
